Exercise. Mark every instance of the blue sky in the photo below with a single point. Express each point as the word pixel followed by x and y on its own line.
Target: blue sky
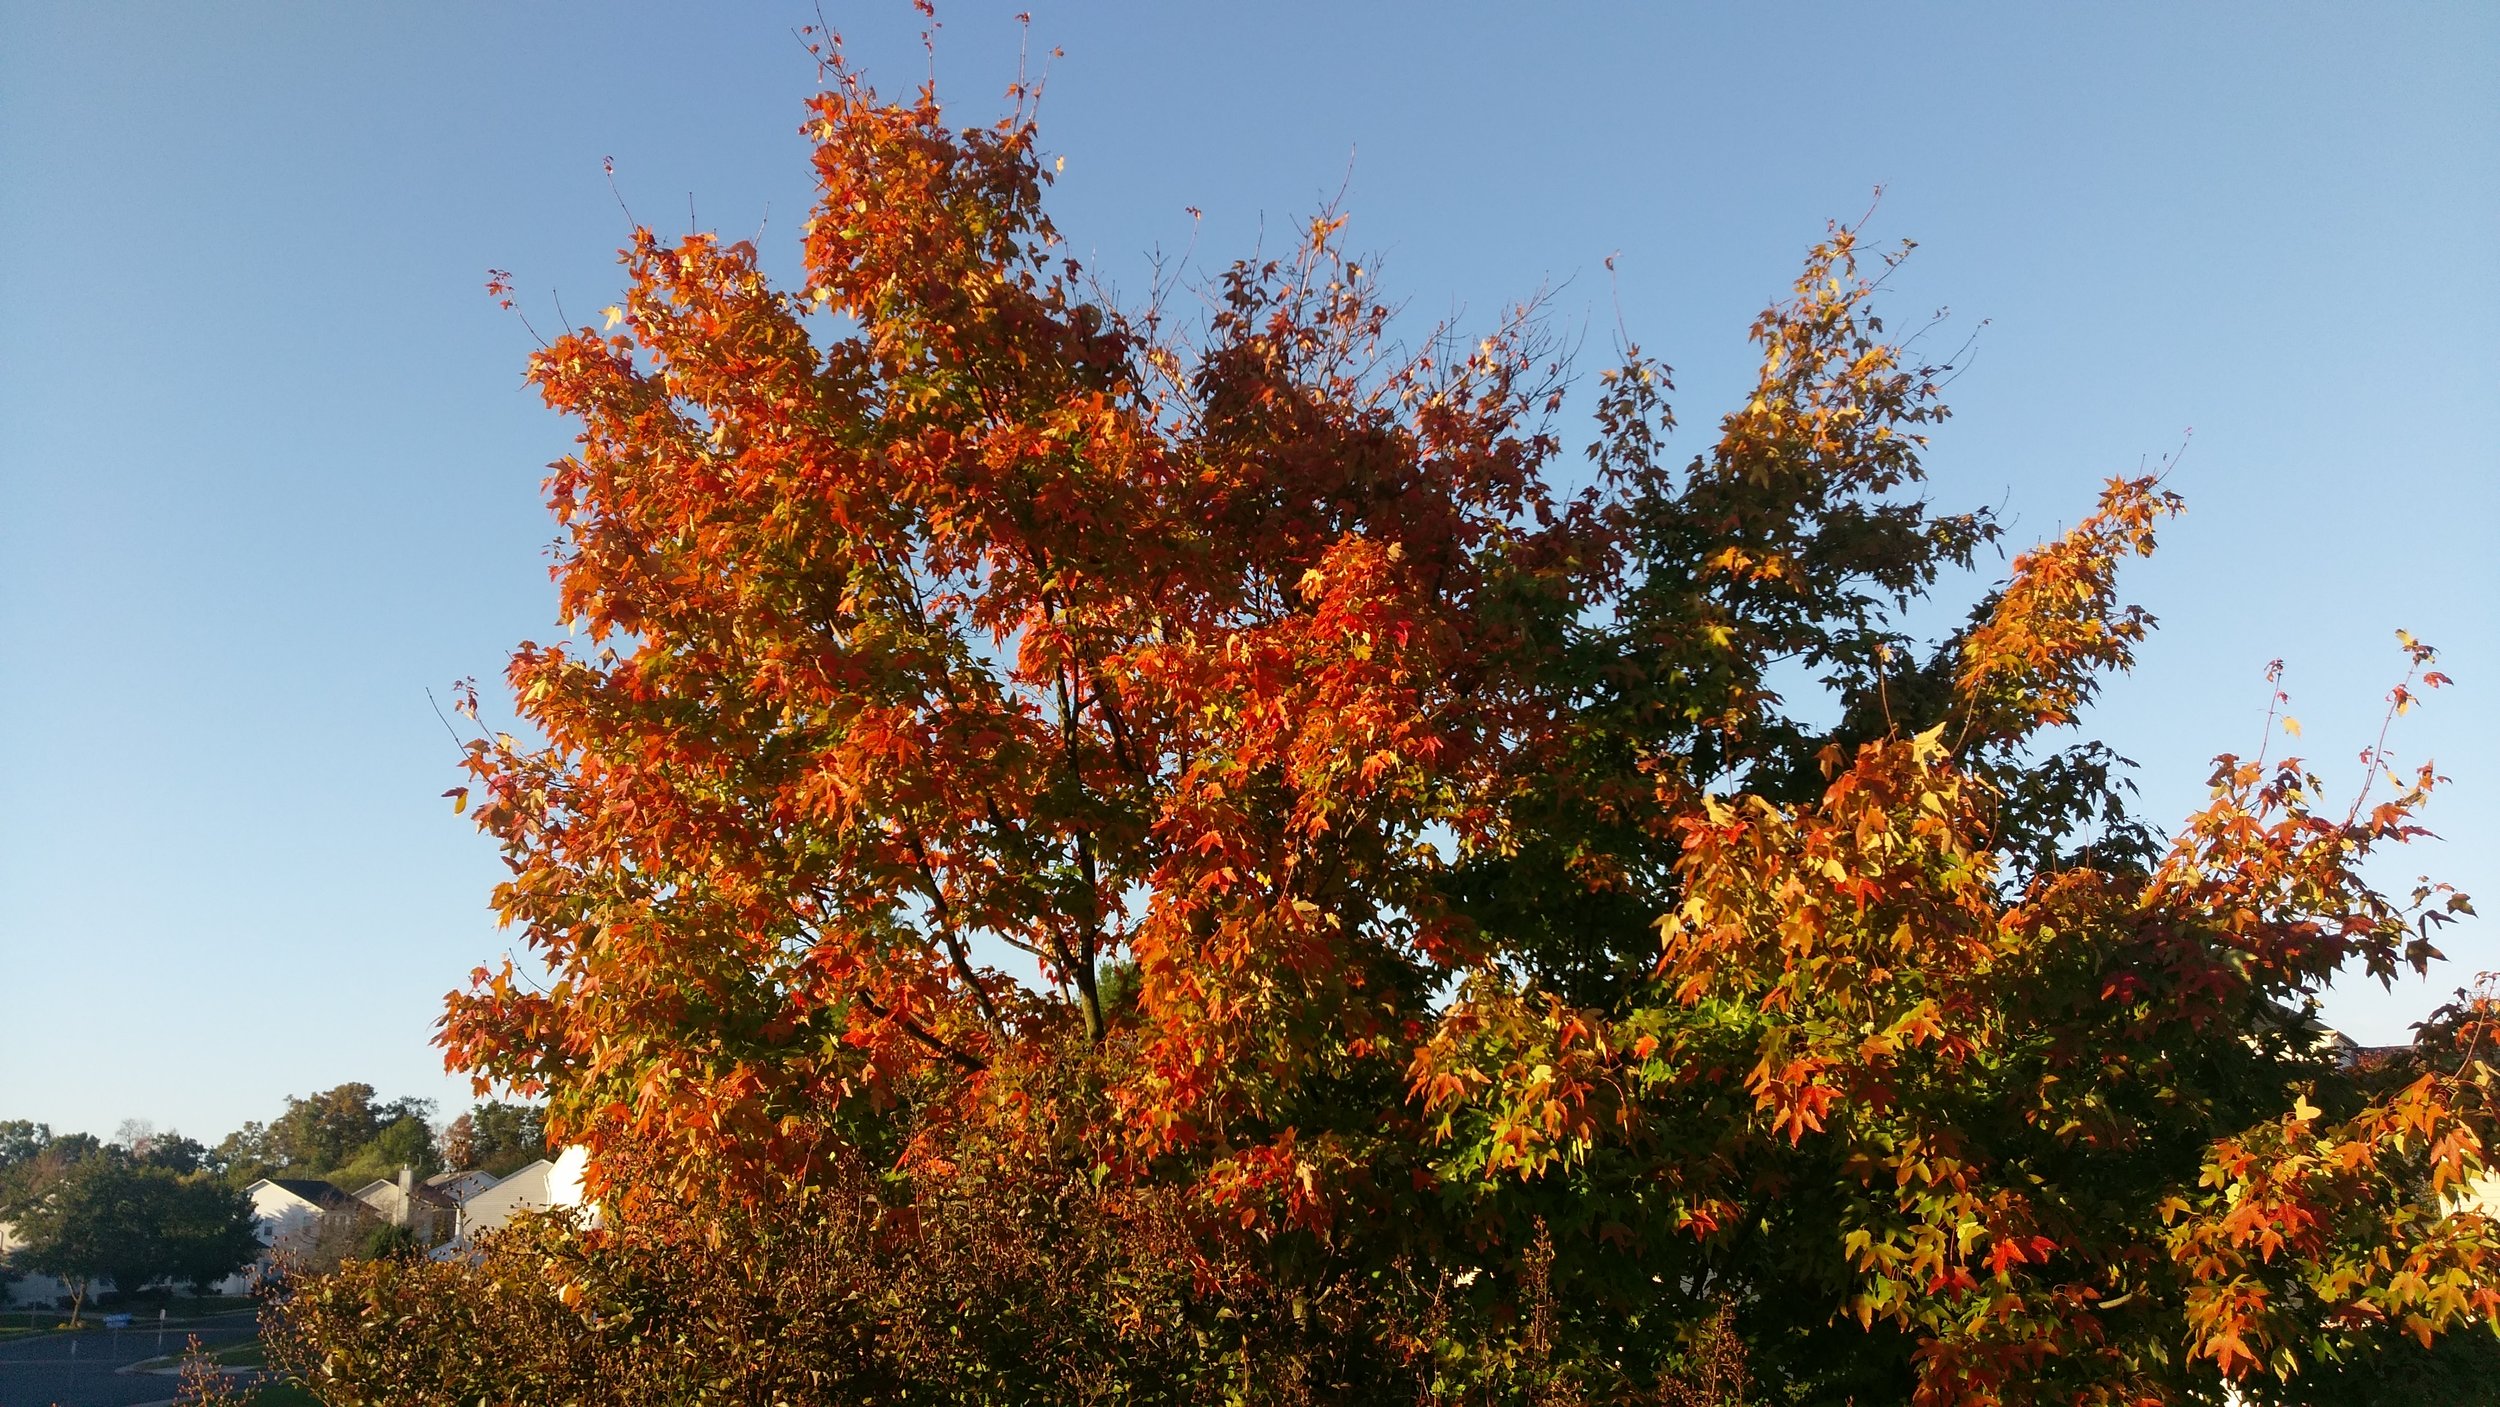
pixel 268 471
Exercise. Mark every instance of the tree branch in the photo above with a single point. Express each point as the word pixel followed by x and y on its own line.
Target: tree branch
pixel 953 939
pixel 936 1044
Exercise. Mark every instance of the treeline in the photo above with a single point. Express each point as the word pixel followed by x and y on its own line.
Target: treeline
pixel 153 1208
pixel 344 1135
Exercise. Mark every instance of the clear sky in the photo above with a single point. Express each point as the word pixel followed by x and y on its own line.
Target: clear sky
pixel 268 470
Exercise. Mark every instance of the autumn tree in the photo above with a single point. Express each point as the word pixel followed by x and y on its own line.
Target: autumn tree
pixel 496 1136
pixel 1436 903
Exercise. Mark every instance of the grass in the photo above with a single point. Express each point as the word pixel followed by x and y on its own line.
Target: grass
pixel 241 1355
pixel 180 1308
pixel 179 1311
pixel 284 1394
pixel 18 1322
pixel 246 1354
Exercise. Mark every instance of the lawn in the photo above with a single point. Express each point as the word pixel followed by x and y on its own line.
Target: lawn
pixel 246 1354
pixel 180 1308
pixel 178 1311
pixel 17 1322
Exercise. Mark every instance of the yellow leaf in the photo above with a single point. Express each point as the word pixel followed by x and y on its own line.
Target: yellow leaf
pixel 2291 725
pixel 614 314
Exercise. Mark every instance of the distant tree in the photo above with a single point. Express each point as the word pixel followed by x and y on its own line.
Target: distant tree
pixel 78 1229
pixel 21 1139
pixel 406 1142
pixel 325 1130
pixel 109 1218
pixel 145 1143
pixel 339 1131
pixel 459 1142
pixel 497 1137
pixel 176 1154
pixel 35 1159
pixel 208 1229
pixel 243 1155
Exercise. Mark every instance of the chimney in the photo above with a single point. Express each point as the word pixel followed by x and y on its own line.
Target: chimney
pixel 406 1210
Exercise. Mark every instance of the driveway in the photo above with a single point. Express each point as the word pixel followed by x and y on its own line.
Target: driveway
pixel 77 1370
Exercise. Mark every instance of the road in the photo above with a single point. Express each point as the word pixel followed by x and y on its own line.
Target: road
pixel 77 1370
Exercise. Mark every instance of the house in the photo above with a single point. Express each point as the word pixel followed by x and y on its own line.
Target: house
pixel 420 1206
pixel 462 1185
pixel 289 1212
pixel 523 1189
pixel 291 1215
pixel 543 1184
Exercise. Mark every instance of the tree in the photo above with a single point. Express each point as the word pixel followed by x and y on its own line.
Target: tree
pixel 134 1225
pixel 495 1136
pixel 21 1139
pixel 342 1131
pixel 33 1158
pixel 175 1153
pixel 405 1142
pixel 209 1230
pixel 1484 917
pixel 390 1240
pixel 145 1143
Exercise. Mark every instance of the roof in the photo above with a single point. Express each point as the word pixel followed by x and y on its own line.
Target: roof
pixel 462 1185
pixel 387 1186
pixel 325 1195
pixel 528 1182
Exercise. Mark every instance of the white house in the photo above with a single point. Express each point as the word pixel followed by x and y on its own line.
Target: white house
pixel 543 1184
pixel 288 1212
pixel 461 1186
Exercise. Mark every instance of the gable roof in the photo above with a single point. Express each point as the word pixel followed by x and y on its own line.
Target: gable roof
pixel 528 1183
pixel 325 1195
